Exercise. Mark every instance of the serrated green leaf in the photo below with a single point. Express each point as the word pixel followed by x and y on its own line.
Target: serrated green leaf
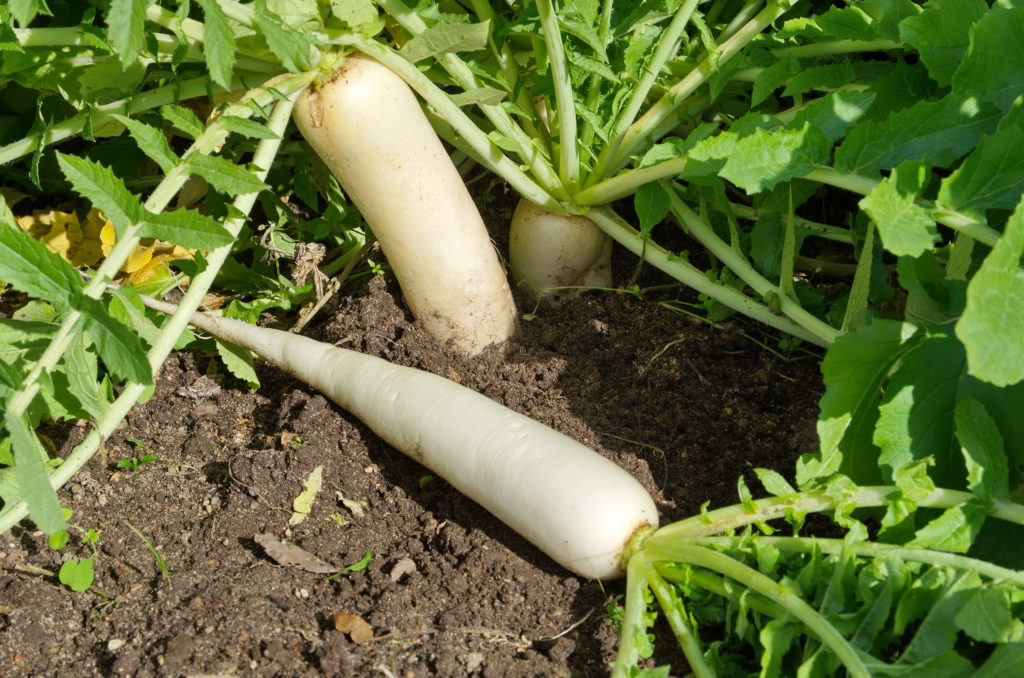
pixel 937 632
pixel 224 175
pixel 652 203
pixel 954 530
pixel 773 77
pixel 187 228
pixel 119 347
pixel 152 142
pixel 774 483
pixel 184 119
pixel 1005 660
pixel 358 14
pixel 27 265
pixel 126 307
pixel 218 43
pixel 479 96
pixel 939 131
pixel 776 639
pixel 24 340
pixel 287 43
pixel 31 476
pixel 104 189
pixel 446 37
pixel 125 28
pixel 765 159
pixel 941 34
pixel 906 228
pixel 993 319
pixel 246 127
pixel 834 114
pixel 893 12
pixel 992 176
pixel 854 369
pixel 992 66
pixel 847 23
pixel 828 77
pixel 239 362
pixel 81 369
pixel 984 454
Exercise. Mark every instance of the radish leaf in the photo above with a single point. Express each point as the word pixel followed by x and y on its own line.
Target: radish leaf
pixel 218 43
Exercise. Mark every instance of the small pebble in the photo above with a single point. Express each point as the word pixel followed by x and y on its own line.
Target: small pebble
pixel 114 644
pixel 403 567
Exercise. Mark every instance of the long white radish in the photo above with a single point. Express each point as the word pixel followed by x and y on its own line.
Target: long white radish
pixel 551 250
pixel 368 128
pixel 573 504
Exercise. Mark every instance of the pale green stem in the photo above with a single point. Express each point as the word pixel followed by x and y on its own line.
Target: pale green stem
pixel 820 49
pixel 664 550
pixel 565 103
pixel 667 106
pixel 626 183
pixel 665 261
pixel 675 615
pixel 738 516
pixel 634 624
pixel 264 157
pixel 817 229
pixel 487 153
pixel 872 550
pixel 863 185
pixel 460 71
pixel 193 30
pixel 738 264
pixel 668 45
pixel 741 17
pixel 718 585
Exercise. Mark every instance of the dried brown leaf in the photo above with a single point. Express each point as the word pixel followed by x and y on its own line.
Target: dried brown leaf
pixel 291 555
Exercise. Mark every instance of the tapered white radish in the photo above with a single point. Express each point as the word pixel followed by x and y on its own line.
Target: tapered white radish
pixel 549 250
pixel 368 128
pixel 573 504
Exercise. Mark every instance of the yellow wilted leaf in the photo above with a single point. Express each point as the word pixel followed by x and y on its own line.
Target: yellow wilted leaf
pixel 139 257
pixel 98 227
pixel 63 226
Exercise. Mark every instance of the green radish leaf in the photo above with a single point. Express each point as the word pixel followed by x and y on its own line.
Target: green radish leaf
pixel 81 368
pixel 834 114
pixel 184 119
pixel 774 483
pixel 120 348
pixel 854 369
pixel 24 11
pixel 708 156
pixel 218 43
pixel 126 307
pixel 893 13
pixel 239 362
pixel 245 127
pixel 77 575
pixel 479 96
pixel 224 175
pixel 764 159
pixel 941 34
pixel 362 563
pixel 830 77
pixel 847 23
pixel 986 616
pixel 187 228
pixel 652 203
pixel 104 189
pixel 899 521
pixel 24 340
pixel 444 37
pixel 954 530
pixel 152 142
pixel 27 265
pixel 772 78
pixel 31 476
pixel 126 28
pixel 992 176
pixel 905 227
pixel 992 66
pixel 361 15
pixel 937 633
pixel 777 637
pixel 993 320
pixel 287 43
pixel 984 454
pixel 940 131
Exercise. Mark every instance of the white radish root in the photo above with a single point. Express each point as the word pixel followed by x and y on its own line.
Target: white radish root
pixel 368 128
pixel 551 250
pixel 573 504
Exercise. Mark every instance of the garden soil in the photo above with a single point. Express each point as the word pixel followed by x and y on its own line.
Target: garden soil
pixel 434 585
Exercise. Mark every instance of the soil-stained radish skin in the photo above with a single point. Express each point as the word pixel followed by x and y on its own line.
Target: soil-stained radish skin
pixel 551 250
pixel 368 128
pixel 573 504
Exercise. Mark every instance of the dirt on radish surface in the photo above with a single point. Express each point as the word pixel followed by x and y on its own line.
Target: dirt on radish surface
pixel 684 407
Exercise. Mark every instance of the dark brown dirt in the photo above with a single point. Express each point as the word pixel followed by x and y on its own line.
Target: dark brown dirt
pixel 685 407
